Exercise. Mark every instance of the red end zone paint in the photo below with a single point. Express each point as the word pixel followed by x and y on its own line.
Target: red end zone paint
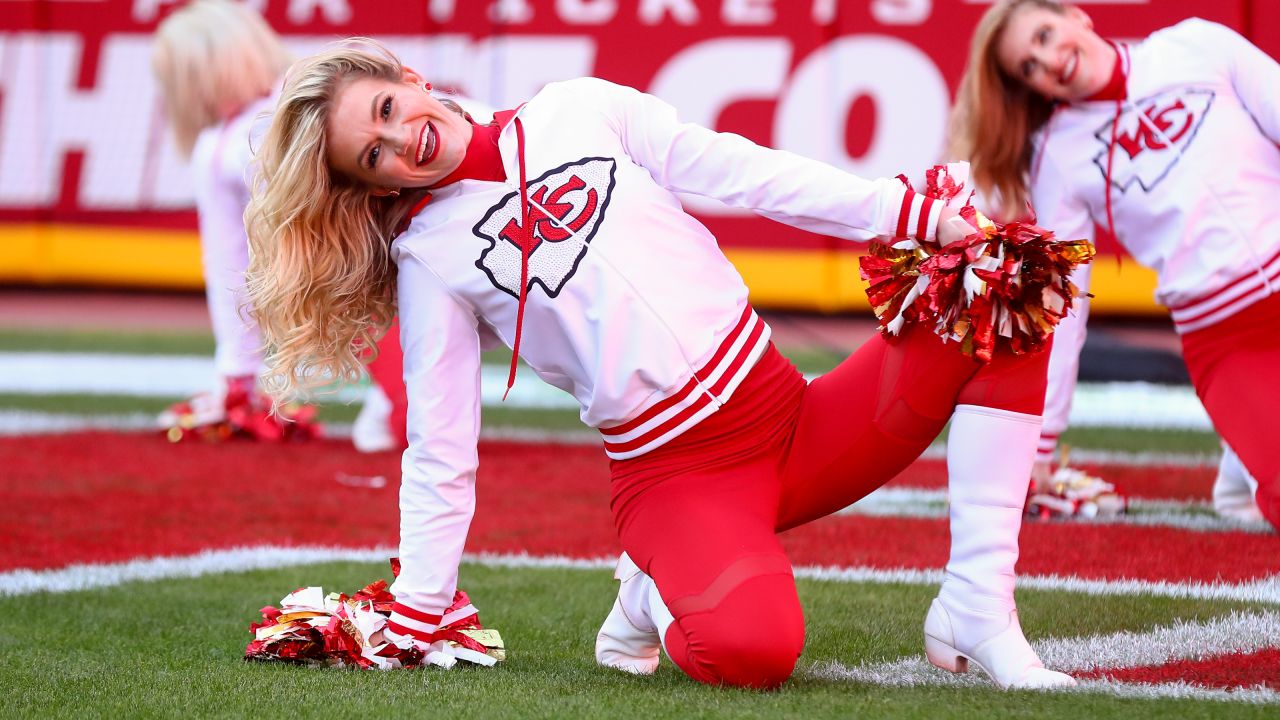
pixel 110 497
pixel 1224 672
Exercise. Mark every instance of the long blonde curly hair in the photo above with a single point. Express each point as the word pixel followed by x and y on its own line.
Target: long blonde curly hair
pixel 995 116
pixel 320 278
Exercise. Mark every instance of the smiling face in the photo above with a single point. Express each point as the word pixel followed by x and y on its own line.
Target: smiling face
pixel 1057 55
pixel 394 135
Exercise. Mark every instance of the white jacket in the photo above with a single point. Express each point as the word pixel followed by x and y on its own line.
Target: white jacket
pixel 631 308
pixel 220 161
pixel 1195 175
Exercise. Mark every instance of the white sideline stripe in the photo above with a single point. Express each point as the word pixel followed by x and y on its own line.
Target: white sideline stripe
pixel 174 376
pixel 22 422
pixel 1137 404
pixel 1195 515
pixel 75 578
pixel 1131 404
pixel 84 577
pixel 1239 632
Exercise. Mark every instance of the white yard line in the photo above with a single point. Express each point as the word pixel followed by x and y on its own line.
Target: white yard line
pixel 1239 632
pixel 209 562
pixel 1095 405
pixel 1265 590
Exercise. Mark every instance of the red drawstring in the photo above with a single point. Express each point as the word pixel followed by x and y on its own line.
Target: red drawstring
pixel 1111 154
pixel 526 242
pixel 1121 73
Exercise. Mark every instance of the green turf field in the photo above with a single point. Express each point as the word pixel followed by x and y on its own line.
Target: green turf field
pixel 173 649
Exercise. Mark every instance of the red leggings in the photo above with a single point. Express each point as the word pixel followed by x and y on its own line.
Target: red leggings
pixel 701 514
pixel 387 372
pixel 1235 368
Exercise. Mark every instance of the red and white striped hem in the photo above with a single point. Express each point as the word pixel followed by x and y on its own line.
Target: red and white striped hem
pixel 419 625
pixel 703 394
pixel 1046 446
pixel 1228 300
pixel 918 216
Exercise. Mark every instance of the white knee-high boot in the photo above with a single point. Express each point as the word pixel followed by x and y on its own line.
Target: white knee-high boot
pixel 1234 490
pixel 632 635
pixel 974 618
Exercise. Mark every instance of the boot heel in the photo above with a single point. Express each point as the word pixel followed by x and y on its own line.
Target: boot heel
pixel 944 656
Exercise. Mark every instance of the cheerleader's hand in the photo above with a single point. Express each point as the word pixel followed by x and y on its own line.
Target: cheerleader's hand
pixel 952 227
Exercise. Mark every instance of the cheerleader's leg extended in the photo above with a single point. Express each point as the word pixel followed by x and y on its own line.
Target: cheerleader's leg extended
pixel 866 421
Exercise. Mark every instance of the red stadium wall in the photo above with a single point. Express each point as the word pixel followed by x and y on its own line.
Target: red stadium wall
pixel 91 191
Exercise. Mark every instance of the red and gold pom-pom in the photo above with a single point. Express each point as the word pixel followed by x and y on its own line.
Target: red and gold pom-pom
pixel 1007 284
pixel 241 412
pixel 347 631
pixel 1073 493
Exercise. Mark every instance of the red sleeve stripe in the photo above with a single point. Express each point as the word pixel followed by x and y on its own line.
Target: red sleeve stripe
pixel 926 214
pixel 412 614
pixel 904 214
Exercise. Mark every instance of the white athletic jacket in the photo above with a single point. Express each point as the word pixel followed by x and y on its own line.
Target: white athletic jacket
pixel 631 307
pixel 219 166
pixel 1195 174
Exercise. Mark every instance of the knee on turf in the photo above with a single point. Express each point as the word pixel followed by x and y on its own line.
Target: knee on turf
pixel 752 638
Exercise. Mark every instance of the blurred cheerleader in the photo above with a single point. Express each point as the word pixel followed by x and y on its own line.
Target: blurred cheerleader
pixel 218 66
pixel 1171 144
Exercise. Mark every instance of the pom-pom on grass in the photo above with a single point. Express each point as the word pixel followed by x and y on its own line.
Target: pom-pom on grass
pixel 1006 284
pixel 338 630
pixel 241 412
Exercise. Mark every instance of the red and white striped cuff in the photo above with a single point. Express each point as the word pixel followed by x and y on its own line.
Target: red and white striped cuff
pixel 1046 447
pixel 406 621
pixel 700 396
pixel 918 216
pixel 1227 300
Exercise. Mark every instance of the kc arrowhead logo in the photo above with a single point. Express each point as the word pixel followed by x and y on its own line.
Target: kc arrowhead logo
pixel 1151 136
pixel 566 207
